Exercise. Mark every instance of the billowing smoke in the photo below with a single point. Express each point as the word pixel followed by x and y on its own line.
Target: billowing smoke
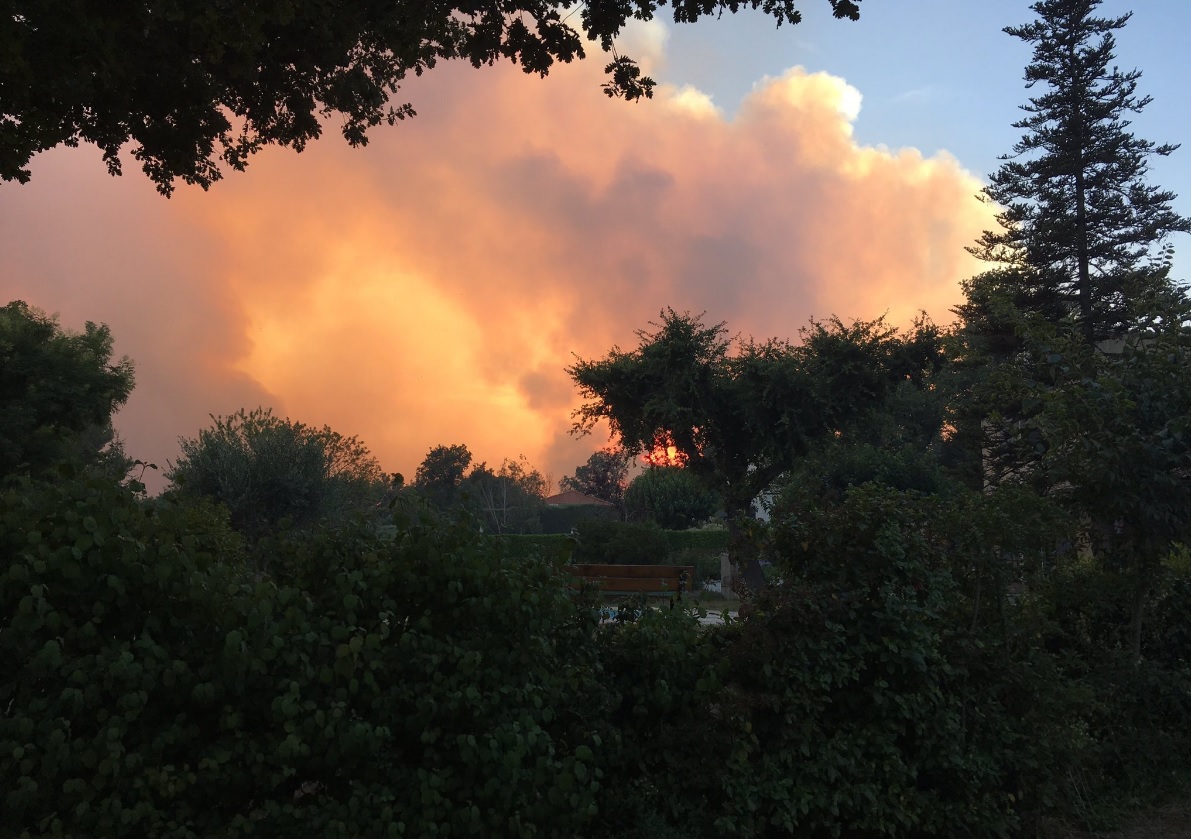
pixel 432 287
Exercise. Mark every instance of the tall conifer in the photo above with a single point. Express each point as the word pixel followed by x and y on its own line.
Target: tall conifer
pixel 1081 227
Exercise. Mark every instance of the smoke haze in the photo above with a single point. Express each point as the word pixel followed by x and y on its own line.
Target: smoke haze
pixel 431 287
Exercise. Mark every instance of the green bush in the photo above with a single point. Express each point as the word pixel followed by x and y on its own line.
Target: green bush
pixel 1136 711
pixel 122 710
pixel 266 469
pixel 664 676
pixel 707 541
pixel 1139 726
pixel 427 684
pixel 880 702
pixel 700 548
pixel 564 519
pixel 847 703
pixel 670 497
pixel 1168 628
pixel 555 546
pixel 603 542
pixel 431 681
pixel 857 712
pixel 620 543
pixel 448 685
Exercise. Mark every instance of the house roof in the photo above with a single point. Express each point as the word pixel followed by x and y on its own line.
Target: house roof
pixel 571 498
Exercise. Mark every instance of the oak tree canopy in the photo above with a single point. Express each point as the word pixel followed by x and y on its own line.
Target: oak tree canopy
pixel 195 86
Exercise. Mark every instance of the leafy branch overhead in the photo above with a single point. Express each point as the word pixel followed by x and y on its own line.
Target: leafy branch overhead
pixel 200 85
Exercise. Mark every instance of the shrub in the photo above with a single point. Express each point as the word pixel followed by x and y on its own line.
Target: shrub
pixel 432 681
pixel 670 497
pixel 664 676
pixel 554 546
pixel 563 519
pixel 265 469
pixel 618 543
pixel 417 685
pixel 443 684
pixel 876 705
pixel 700 548
pixel 1136 711
pixel 121 713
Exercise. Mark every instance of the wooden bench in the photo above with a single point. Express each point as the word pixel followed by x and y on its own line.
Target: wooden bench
pixel 638 579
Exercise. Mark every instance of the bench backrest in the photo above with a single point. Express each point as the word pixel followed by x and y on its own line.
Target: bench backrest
pixel 625 579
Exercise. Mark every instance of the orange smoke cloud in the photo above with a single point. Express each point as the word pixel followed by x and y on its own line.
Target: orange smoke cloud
pixel 432 287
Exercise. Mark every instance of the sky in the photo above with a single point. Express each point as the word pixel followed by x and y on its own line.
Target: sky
pixel 432 287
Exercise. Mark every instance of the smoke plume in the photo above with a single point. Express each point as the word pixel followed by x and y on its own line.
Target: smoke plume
pixel 432 287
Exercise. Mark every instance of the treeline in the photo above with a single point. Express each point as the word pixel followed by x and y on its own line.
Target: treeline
pixel 512 499
pixel 945 650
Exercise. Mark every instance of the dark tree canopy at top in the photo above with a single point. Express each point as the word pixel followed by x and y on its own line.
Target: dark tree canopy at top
pixel 196 85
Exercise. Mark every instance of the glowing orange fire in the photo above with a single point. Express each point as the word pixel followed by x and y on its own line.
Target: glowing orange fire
pixel 664 453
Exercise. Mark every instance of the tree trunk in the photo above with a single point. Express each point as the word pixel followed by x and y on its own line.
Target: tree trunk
pixel 1086 311
pixel 1140 594
pixel 740 543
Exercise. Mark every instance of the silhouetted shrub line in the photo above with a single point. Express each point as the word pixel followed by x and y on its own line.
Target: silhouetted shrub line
pixel 436 682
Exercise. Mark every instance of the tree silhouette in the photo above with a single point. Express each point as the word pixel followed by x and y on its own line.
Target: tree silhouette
pixel 1081 225
pixel 742 412
pixel 58 391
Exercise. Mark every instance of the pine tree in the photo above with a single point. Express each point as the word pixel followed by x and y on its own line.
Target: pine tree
pixel 1081 226
pixel 1097 427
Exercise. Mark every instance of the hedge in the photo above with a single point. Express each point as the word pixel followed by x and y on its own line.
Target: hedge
pixel 620 543
pixel 563 519
pixel 427 685
pixel 426 680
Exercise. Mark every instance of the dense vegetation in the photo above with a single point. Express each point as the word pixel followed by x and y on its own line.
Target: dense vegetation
pixel 607 542
pixel 977 623
pixel 424 679
pixel 411 685
pixel 936 660
pixel 58 391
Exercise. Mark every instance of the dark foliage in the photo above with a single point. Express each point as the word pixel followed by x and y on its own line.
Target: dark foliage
pixel 618 543
pixel 441 473
pixel 200 85
pixel 420 684
pixel 603 476
pixel 266 469
pixel 566 518
pixel 741 413
pixel 58 391
pixel 669 496
pixel 1081 225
